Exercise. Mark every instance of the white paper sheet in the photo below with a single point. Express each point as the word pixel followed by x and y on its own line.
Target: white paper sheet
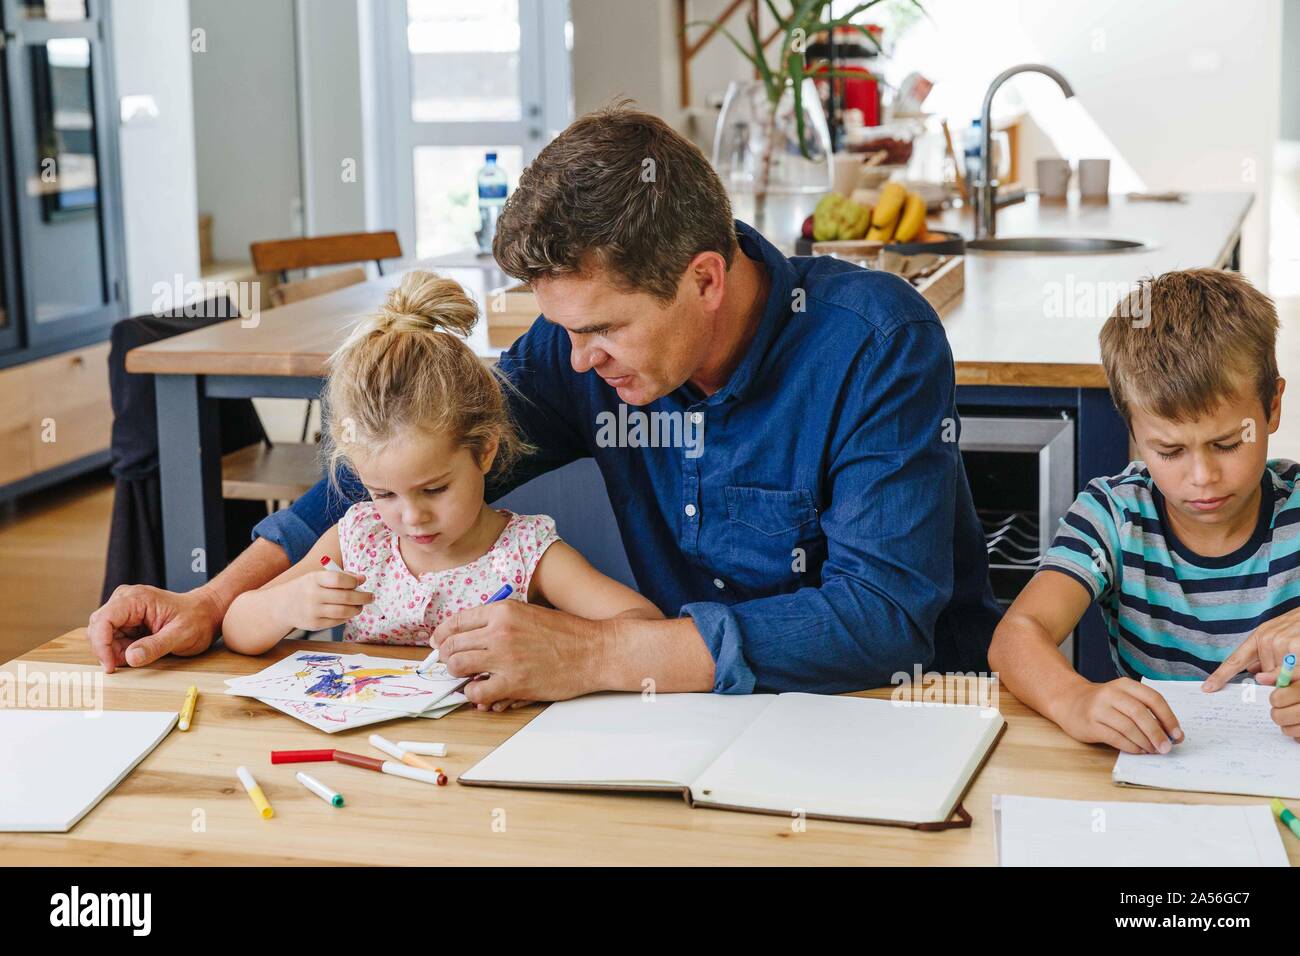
pixel 1035 831
pixel 55 765
pixel 1231 745
pixel 331 718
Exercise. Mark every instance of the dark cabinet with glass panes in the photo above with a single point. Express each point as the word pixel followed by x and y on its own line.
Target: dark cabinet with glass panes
pixel 61 249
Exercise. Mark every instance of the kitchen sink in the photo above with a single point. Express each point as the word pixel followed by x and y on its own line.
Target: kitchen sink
pixel 1054 245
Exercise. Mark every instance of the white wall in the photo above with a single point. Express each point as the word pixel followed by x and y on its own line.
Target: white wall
pixel 1180 94
pixel 331 124
pixel 151 56
pixel 246 122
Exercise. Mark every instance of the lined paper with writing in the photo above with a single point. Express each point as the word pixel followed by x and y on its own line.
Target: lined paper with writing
pixel 1231 745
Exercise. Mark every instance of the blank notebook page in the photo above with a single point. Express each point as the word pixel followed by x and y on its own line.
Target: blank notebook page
pixel 55 765
pixel 852 757
pixel 659 740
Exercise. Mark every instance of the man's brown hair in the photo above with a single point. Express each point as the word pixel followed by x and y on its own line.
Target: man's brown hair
pixel 621 190
pixel 1182 342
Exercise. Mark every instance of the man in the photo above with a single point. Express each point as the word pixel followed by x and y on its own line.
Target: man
pixel 817 532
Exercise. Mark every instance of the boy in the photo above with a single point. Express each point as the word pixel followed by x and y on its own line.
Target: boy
pixel 1193 552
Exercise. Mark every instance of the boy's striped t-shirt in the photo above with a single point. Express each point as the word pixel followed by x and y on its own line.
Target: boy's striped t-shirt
pixel 1173 614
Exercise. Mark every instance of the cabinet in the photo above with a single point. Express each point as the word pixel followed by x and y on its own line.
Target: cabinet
pixel 61 249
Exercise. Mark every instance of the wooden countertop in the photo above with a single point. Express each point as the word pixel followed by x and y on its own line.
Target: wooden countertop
pixel 149 817
pixel 1034 319
pixel 1000 329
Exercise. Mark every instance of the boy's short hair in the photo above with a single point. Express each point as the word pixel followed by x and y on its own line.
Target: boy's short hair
pixel 1182 342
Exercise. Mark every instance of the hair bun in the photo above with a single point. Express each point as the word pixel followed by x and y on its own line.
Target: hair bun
pixel 423 302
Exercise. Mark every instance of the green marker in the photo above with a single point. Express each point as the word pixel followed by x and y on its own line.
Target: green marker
pixel 1284 675
pixel 1286 816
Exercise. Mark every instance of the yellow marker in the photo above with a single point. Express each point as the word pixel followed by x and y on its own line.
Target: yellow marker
pixel 187 709
pixel 255 793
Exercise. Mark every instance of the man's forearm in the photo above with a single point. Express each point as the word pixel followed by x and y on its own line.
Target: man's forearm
pixel 260 562
pixel 671 653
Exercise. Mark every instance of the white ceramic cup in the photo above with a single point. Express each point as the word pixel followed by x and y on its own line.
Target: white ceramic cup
pixel 1053 178
pixel 1094 178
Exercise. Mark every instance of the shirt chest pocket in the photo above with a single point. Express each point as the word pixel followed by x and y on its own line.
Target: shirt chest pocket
pixel 774 541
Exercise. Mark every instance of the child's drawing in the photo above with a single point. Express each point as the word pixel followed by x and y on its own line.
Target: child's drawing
pixel 353 679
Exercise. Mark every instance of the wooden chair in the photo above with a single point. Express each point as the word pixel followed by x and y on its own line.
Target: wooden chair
pixel 269 472
pixel 282 255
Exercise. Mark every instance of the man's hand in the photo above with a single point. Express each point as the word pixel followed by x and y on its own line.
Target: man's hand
pixel 528 652
pixel 140 624
pixel 1261 653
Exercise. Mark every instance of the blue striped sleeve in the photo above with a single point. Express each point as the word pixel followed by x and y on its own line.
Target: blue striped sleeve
pixel 1086 546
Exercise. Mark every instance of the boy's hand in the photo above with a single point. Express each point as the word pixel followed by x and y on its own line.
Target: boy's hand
pixel 1123 713
pixel 1285 702
pixel 320 600
pixel 1261 653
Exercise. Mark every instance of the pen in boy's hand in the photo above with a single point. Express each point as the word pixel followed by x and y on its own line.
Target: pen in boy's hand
pixel 505 592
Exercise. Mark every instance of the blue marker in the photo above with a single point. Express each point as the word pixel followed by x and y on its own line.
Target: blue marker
pixel 1284 675
pixel 505 592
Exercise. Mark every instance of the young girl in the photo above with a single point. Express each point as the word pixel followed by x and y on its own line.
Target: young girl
pixel 422 421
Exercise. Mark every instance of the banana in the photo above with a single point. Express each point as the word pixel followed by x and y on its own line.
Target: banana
pixel 889 205
pixel 910 219
pixel 880 233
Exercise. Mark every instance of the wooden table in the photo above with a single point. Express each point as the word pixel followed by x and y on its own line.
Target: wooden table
pixel 150 817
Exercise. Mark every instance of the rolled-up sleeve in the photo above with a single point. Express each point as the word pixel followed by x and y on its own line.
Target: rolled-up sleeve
pixel 296 529
pixel 888 522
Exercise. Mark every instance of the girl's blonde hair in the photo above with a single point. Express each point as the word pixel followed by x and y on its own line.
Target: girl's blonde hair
pixel 402 369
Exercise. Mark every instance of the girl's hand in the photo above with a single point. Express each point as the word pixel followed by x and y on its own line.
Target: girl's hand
pixel 1123 713
pixel 319 600
pixel 1262 652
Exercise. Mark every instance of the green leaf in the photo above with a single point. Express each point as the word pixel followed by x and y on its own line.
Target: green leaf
pixel 776 15
pixel 797 75
pixel 773 83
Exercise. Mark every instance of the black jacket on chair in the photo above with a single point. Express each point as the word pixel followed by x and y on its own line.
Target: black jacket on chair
pixel 135 543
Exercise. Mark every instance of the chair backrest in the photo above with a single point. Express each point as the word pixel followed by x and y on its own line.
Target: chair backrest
pixel 281 255
pixel 287 292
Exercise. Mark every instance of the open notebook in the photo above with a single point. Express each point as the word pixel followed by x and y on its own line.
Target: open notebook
pixel 838 758
pixel 1231 745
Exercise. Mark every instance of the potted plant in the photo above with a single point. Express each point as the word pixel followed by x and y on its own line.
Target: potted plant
pixel 772 136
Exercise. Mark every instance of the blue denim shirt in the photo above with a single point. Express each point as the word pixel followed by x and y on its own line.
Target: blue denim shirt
pixel 814 519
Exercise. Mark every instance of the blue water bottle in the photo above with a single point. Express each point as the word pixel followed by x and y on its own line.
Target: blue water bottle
pixel 491 197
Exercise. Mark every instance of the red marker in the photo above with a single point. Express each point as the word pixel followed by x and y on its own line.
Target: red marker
pixel 300 756
pixel 329 564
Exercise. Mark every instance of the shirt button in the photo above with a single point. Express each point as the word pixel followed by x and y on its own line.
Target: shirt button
pixel 697 417
pixel 690 511
pixel 717 583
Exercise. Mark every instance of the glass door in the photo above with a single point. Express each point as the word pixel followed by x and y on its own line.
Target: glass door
pixel 468 79
pixel 63 175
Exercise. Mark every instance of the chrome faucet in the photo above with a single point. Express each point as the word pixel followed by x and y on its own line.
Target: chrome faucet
pixel 985 190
